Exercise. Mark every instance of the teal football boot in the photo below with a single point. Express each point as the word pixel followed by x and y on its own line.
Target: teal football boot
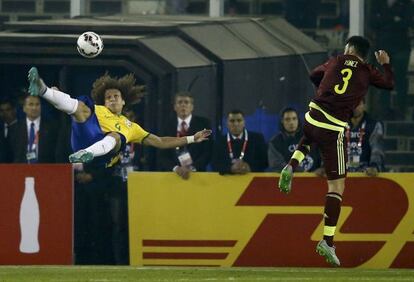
pixel 81 156
pixel 36 85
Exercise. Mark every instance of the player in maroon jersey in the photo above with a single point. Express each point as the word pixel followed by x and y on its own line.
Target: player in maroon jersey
pixel 342 83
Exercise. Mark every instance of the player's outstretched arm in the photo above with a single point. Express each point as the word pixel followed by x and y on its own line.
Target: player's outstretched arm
pixel 173 142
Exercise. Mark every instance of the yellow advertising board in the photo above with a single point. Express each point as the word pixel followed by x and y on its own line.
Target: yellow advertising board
pixel 215 220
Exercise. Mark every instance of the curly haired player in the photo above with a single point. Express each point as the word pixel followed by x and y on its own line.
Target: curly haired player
pixel 99 130
pixel 342 83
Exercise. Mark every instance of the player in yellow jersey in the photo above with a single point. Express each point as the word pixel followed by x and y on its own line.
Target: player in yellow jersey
pixel 99 130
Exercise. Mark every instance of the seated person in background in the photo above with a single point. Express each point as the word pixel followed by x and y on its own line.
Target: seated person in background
pixel 364 139
pixel 192 157
pixel 239 151
pixel 98 127
pixel 282 145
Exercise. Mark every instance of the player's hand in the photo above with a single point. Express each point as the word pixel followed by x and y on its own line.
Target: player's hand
pixel 236 166
pixel 382 57
pixel 371 171
pixel 245 167
pixel 183 172
pixel 202 135
pixel 239 167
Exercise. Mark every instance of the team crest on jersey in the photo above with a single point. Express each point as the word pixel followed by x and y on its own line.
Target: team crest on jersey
pixel 128 123
pixel 118 126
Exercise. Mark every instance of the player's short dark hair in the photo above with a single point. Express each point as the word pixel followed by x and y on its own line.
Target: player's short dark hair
pixel 130 91
pixel 235 112
pixel 360 44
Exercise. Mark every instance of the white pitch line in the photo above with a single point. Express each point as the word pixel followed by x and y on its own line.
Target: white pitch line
pixel 228 269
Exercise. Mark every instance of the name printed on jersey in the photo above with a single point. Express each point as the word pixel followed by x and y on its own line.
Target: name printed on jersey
pixel 351 63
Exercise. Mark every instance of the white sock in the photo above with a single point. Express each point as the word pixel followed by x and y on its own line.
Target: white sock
pixel 61 100
pixel 102 147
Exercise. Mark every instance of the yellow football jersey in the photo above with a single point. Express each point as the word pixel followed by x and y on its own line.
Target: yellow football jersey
pixel 111 122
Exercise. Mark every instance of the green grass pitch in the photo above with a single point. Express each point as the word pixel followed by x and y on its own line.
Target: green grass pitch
pixel 163 274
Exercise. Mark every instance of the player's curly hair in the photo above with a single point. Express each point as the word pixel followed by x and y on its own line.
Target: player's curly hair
pixel 131 93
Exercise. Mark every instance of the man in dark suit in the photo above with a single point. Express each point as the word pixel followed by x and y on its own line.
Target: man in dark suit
pixel 34 139
pixel 239 151
pixel 8 118
pixel 193 157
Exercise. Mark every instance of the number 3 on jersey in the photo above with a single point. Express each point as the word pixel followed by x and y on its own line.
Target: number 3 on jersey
pixel 347 74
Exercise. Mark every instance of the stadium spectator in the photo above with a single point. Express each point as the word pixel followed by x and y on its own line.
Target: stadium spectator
pixel 240 151
pixel 8 119
pixel 34 138
pixel 282 145
pixel 391 21
pixel 192 157
pixel 99 130
pixel 364 139
pixel 342 83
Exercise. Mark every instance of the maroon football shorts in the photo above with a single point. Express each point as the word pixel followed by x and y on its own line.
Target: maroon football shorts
pixel 329 137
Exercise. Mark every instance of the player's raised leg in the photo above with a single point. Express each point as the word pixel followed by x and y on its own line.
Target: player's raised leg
pixel 286 175
pixel 58 99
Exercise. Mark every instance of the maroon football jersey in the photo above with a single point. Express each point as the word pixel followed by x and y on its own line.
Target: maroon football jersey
pixel 343 82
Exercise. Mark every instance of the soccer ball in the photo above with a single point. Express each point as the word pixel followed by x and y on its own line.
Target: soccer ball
pixel 89 44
